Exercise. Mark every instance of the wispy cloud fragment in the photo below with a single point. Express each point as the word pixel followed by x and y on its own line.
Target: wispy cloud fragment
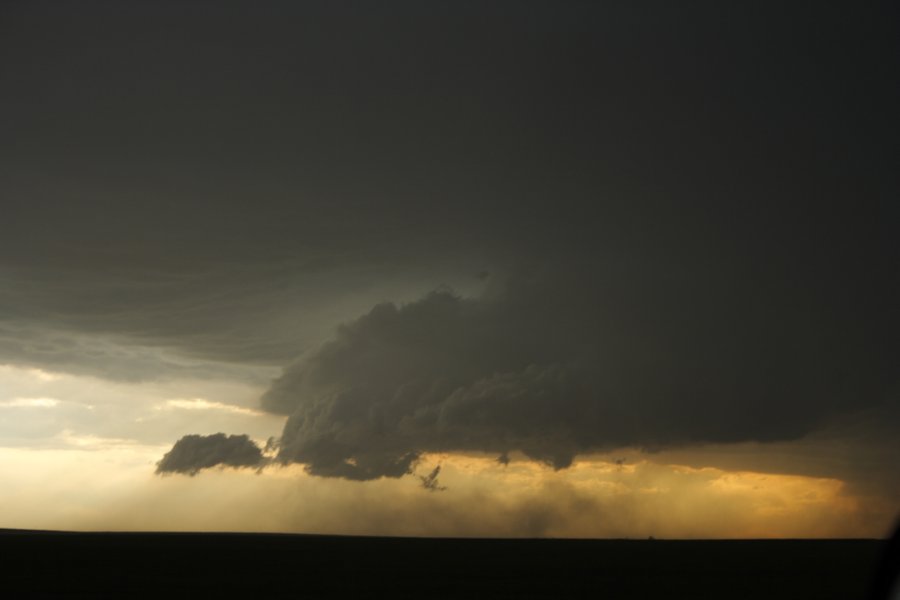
pixel 93 442
pixel 29 403
pixel 202 404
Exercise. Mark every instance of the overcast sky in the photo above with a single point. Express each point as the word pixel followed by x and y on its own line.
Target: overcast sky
pixel 562 238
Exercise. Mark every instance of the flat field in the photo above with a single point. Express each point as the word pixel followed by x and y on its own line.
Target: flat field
pixel 203 565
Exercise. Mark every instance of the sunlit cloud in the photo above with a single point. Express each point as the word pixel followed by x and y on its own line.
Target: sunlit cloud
pixel 29 403
pixel 202 404
pixel 93 442
pixel 34 409
pixel 42 374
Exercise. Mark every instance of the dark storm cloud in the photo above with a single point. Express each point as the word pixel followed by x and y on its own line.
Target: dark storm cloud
pixel 554 366
pixel 215 190
pixel 192 453
pixel 687 214
pixel 234 320
pixel 112 357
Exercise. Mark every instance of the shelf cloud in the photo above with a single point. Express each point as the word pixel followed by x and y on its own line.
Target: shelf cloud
pixel 553 370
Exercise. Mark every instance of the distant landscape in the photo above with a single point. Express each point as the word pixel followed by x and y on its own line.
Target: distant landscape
pixel 174 565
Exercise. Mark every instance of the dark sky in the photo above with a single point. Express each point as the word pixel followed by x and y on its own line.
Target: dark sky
pixel 665 224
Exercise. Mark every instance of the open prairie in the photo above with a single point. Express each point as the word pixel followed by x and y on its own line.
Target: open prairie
pixel 162 565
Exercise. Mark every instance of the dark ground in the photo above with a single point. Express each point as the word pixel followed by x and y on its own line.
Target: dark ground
pixel 164 565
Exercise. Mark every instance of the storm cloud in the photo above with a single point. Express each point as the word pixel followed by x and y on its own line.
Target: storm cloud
pixel 664 225
pixel 554 366
pixel 192 453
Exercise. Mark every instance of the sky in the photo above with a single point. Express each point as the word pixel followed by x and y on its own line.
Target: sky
pixel 517 269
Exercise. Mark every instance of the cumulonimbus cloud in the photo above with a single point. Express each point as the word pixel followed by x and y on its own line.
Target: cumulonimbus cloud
pixel 553 367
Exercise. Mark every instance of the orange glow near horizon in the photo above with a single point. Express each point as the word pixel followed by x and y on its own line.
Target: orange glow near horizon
pixel 115 489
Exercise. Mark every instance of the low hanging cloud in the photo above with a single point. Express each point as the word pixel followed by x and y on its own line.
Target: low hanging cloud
pixel 192 453
pixel 557 366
